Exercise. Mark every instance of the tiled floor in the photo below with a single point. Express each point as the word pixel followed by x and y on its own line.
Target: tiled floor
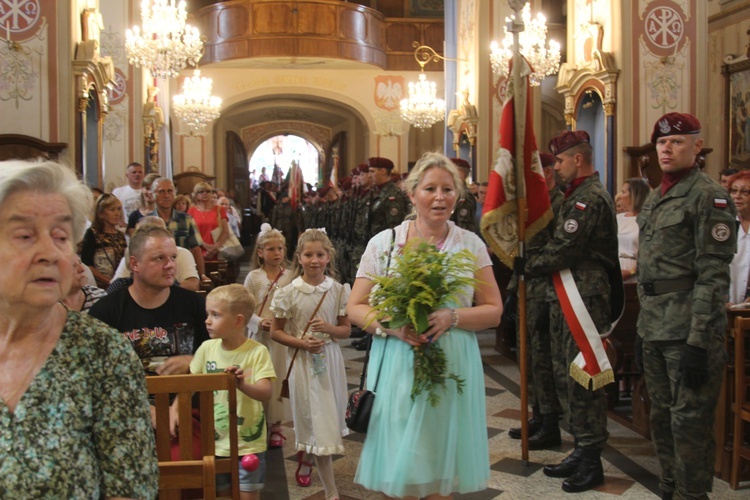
pixel 630 467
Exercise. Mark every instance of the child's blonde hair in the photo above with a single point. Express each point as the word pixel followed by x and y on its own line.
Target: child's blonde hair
pixel 316 236
pixel 266 234
pixel 236 297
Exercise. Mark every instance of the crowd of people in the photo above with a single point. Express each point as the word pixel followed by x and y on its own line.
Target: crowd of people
pixel 73 357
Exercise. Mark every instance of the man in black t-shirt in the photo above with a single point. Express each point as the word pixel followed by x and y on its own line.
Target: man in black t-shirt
pixel 164 324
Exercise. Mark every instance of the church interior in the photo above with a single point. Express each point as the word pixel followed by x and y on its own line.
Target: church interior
pixel 77 86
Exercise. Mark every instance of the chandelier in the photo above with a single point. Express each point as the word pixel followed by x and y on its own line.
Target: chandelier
pixel 167 44
pixel 532 40
pixel 423 109
pixel 195 105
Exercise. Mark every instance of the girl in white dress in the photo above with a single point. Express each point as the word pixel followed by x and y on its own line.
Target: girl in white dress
pixel 268 275
pixel 310 317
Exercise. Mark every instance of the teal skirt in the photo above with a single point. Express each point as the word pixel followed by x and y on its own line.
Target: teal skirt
pixel 413 448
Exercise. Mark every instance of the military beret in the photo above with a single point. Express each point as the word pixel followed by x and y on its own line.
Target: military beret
pixel 547 159
pixel 675 124
pixel 567 140
pixel 361 169
pixel 461 163
pixel 322 192
pixel 345 183
pixel 378 162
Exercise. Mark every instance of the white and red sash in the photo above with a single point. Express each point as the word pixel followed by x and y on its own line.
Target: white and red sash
pixel 591 368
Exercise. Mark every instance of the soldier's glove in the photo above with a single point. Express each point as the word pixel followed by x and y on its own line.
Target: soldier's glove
pixel 694 366
pixel 519 263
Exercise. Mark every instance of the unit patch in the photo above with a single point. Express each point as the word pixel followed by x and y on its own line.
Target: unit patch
pixel 570 225
pixel 720 232
pixel 581 205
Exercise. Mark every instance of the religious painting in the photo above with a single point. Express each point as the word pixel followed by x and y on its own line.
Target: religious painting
pixel 425 8
pixel 737 72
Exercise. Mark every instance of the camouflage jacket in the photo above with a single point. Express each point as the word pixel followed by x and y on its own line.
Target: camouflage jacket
pixel 360 218
pixel 388 208
pixel 464 215
pixel 584 240
pixel 284 219
pixel 687 240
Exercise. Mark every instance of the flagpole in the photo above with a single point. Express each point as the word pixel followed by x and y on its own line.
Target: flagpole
pixel 519 105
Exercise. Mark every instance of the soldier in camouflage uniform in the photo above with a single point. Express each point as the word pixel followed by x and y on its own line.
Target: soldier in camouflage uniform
pixel 687 239
pixel 389 205
pixel 284 218
pixel 584 241
pixel 361 218
pixel 466 206
pixel 544 431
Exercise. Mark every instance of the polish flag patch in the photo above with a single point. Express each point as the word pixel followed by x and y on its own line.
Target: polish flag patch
pixel 580 205
pixel 720 203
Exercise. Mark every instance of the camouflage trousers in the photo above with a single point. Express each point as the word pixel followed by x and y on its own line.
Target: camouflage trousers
pixel 541 377
pixel 355 257
pixel 585 410
pixel 682 419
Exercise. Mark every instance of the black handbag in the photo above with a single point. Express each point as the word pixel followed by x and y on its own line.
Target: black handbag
pixel 359 405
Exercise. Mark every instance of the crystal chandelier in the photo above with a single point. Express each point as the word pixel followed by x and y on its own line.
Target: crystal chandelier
pixel 544 61
pixel 167 44
pixel 195 105
pixel 422 109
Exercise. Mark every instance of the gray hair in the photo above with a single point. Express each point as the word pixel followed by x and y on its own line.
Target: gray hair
pixel 51 178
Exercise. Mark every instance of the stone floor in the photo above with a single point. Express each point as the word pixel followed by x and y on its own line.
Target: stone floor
pixel 630 466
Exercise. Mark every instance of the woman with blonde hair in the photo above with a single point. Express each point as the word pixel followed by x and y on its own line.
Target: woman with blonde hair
pixel 208 216
pixel 405 430
pixel 104 244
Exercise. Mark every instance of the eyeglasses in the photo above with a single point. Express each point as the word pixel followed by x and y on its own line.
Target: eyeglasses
pixel 743 192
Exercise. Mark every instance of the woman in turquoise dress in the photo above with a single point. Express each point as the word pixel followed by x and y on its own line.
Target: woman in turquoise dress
pixel 414 449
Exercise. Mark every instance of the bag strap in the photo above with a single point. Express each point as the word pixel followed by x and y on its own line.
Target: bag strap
pixel 268 294
pixel 369 344
pixel 312 317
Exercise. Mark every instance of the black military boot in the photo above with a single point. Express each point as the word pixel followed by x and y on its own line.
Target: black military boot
pixel 589 474
pixel 567 467
pixel 548 435
pixel 535 423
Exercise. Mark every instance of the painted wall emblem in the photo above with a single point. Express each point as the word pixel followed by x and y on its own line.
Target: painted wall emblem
pixel 389 90
pixel 18 15
pixel 117 93
pixel 664 27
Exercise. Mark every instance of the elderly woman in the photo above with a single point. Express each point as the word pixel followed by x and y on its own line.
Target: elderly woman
pixel 74 417
pixel 739 287
pixel 209 216
pixel 412 449
pixel 81 295
pixel 630 200
pixel 147 204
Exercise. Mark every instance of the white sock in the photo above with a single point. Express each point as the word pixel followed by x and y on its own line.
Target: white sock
pixel 325 471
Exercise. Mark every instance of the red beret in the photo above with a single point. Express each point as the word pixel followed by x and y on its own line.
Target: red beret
pixel 547 159
pixel 345 184
pixel 360 169
pixel 322 192
pixel 675 124
pixel 567 140
pixel 378 162
pixel 461 163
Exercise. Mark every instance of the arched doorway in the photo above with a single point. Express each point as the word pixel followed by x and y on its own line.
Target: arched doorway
pixel 273 158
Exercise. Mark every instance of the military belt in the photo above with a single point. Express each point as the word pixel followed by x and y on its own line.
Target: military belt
pixel 666 286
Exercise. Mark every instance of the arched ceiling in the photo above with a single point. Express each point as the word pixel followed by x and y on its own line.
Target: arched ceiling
pixel 303 108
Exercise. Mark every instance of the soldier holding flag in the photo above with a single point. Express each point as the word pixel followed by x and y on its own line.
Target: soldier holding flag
pixel 582 258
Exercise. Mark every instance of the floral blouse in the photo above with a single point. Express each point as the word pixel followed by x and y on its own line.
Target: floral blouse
pixel 82 429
